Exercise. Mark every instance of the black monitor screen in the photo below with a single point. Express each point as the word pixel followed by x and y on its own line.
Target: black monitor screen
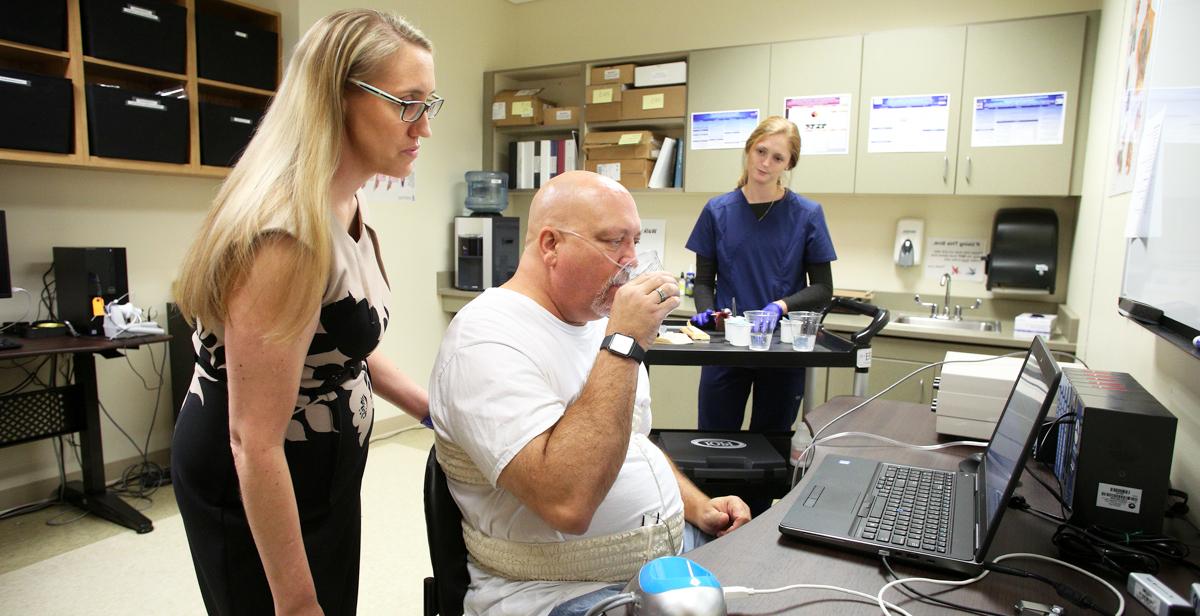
pixel 5 275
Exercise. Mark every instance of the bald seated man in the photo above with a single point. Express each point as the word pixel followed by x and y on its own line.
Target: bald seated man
pixel 541 409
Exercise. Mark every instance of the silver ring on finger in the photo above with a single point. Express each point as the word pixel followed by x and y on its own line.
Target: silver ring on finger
pixel 662 297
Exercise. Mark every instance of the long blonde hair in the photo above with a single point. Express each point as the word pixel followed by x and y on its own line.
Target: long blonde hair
pixel 774 125
pixel 282 181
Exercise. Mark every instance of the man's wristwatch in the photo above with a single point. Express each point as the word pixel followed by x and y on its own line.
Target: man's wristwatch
pixel 620 344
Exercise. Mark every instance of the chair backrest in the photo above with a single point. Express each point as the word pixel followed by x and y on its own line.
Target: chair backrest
pixel 447 552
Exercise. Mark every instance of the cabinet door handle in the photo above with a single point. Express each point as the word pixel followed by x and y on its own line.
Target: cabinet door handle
pixel 921 382
pixel 968 169
pixel 945 168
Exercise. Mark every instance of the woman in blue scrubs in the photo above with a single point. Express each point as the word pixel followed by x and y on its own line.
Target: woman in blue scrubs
pixel 760 245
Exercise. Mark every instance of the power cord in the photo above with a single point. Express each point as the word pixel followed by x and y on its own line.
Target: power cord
pixel 924 598
pixel 743 591
pixel 1076 597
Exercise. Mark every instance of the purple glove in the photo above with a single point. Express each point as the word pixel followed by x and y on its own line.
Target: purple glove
pixel 776 313
pixel 427 422
pixel 702 319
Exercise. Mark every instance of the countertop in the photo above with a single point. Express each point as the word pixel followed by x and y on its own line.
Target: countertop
pixel 1005 310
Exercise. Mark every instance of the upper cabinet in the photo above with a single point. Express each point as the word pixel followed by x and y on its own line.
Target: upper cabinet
pixel 827 68
pixel 987 109
pixel 729 79
pixel 1020 101
pixel 911 98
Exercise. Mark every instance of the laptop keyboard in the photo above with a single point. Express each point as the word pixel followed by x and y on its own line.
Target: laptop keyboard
pixel 909 507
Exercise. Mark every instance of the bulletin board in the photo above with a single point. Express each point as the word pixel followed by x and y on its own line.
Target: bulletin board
pixel 1162 235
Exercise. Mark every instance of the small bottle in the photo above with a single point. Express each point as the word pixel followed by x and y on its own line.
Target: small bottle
pixel 689 284
pixel 801 440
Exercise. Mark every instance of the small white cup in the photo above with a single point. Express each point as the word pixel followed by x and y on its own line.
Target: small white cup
pixel 737 331
pixel 785 330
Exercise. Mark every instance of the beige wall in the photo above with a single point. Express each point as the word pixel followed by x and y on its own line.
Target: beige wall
pixel 1109 341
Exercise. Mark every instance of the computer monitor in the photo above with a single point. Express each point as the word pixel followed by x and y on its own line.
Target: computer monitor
pixel 5 274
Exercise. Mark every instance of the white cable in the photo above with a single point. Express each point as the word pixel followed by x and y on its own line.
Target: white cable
pixel 739 591
pixel 895 443
pixel 1110 587
pixel 884 605
pixel 28 307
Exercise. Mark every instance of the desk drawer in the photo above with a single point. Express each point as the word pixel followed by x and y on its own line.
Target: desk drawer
pixel 40 414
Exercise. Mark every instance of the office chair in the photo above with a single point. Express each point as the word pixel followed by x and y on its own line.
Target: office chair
pixel 444 592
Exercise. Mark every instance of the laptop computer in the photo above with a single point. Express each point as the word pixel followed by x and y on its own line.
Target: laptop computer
pixel 944 519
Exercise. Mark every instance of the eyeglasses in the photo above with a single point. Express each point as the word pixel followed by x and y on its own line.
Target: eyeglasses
pixel 410 111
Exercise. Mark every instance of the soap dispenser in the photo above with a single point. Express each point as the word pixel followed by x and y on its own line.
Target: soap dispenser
pixel 909 237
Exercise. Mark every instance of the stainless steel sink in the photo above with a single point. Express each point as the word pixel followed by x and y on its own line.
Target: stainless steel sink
pixel 975 325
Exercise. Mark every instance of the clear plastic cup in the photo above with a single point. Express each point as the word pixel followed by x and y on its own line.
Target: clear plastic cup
pixel 762 327
pixel 804 330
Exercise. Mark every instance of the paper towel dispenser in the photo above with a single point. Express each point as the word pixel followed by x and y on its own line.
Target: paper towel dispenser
pixel 1024 250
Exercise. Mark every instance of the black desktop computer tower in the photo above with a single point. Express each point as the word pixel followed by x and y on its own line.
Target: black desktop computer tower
pixel 85 280
pixel 1112 451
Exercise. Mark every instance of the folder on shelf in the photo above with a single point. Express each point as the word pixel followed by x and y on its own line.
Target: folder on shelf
pixel 664 167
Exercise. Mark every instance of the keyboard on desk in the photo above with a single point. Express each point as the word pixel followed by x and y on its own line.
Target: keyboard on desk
pixel 909 507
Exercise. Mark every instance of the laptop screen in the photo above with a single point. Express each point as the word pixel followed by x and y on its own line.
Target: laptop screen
pixel 1026 408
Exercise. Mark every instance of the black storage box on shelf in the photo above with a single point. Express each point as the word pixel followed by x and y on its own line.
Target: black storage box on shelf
pixel 236 53
pixel 149 33
pixel 127 124
pixel 35 22
pixel 36 112
pixel 224 133
pixel 747 464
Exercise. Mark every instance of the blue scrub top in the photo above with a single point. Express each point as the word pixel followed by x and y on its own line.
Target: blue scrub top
pixel 760 261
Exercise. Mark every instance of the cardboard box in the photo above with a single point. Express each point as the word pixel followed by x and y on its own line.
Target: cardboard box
pixel 604 112
pixel 631 173
pixel 519 108
pixel 562 116
pixel 619 73
pixel 622 145
pixel 604 93
pixel 646 103
pixel 667 74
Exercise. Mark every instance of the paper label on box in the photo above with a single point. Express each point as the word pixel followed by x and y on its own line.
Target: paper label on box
pixel 522 109
pixel 20 82
pixel 498 110
pixel 612 73
pixel 1118 498
pixel 528 92
pixel 653 101
pixel 145 103
pixel 562 115
pixel 602 95
pixel 610 170
pixel 630 139
pixel 138 11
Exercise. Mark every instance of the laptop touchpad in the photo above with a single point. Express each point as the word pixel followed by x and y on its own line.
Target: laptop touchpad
pixel 832 511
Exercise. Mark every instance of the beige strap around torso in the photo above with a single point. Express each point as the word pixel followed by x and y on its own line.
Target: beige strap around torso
pixel 608 558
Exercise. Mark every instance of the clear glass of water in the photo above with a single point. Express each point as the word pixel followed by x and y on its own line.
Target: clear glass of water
pixel 804 329
pixel 762 328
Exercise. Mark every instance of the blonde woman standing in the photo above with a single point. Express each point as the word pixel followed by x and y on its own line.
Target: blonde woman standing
pixel 290 299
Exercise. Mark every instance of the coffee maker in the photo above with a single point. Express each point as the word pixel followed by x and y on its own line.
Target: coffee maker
pixel 486 249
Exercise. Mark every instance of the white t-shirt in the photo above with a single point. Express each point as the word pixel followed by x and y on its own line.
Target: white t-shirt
pixel 506 372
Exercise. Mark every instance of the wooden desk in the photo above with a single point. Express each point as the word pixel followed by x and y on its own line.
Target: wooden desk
pixel 34 415
pixel 758 556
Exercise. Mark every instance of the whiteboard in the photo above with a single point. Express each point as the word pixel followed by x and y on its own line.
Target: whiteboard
pixel 1162 269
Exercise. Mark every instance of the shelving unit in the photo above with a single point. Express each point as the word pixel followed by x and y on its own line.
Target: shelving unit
pixel 83 70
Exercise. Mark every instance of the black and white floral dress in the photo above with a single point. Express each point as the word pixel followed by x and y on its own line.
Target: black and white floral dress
pixel 326 444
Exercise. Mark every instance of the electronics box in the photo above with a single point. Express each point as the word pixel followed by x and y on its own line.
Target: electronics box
pixel 660 74
pixel 648 103
pixel 148 33
pixel 561 116
pixel 36 112
pixel 225 132
pixel 35 22
pixel 519 107
pixel 632 173
pixel 742 463
pixel 1112 451
pixel 970 397
pixel 619 73
pixel 83 274
pixel 236 53
pixel 126 124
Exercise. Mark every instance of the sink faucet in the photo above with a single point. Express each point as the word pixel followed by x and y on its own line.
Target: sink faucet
pixel 945 282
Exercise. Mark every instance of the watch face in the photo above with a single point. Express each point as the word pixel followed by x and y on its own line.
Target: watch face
pixel 621 344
